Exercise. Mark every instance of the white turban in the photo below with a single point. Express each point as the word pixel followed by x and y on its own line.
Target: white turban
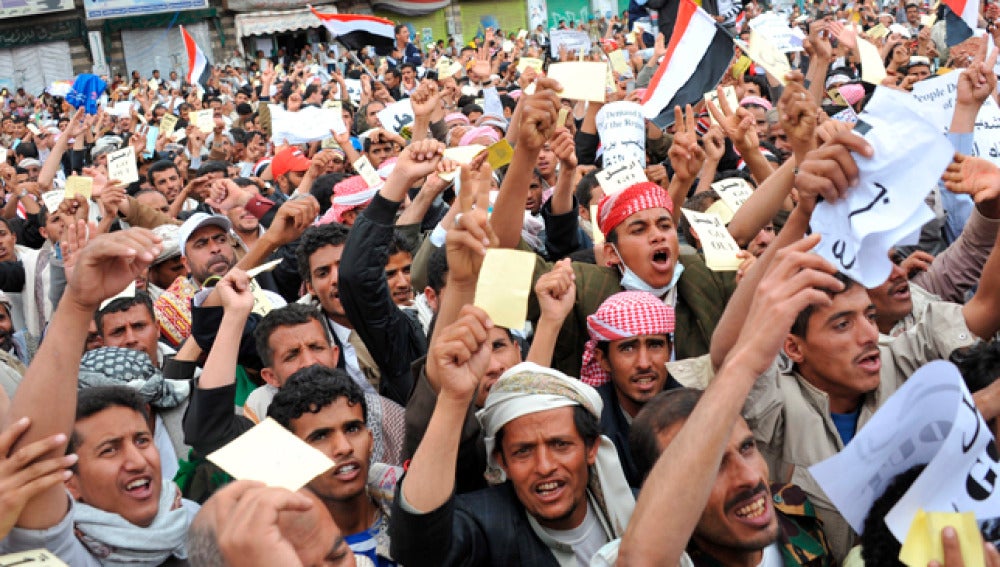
pixel 530 388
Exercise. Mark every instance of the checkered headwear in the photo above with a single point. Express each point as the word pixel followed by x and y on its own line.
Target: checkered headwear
pixel 614 209
pixel 623 315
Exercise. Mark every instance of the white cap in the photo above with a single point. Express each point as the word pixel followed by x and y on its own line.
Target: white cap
pixel 196 221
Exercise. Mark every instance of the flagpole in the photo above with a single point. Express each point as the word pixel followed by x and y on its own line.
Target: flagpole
pixel 356 60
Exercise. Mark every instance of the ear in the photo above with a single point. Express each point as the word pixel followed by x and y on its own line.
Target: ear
pixel 44 232
pixel 73 486
pixel 611 254
pixel 583 212
pixel 592 451
pixel 309 288
pixel 602 360
pixel 187 267
pixel 793 348
pixel 267 375
pixel 432 298
pixel 336 354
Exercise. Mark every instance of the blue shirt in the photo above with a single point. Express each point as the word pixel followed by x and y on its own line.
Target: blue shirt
pixel 363 543
pixel 847 424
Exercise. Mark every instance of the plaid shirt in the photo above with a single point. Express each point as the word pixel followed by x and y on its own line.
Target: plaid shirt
pixel 800 534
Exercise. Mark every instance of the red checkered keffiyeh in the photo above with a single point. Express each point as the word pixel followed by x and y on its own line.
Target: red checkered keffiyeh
pixel 616 208
pixel 623 315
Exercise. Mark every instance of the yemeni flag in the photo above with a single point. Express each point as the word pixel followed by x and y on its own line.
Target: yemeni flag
pixel 683 77
pixel 968 12
pixel 199 69
pixel 356 31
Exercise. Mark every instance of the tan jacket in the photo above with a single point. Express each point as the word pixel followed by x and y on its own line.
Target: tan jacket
pixel 791 418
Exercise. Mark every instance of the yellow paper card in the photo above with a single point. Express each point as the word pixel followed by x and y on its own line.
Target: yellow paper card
pixel 504 285
pixel 561 120
pixel 269 453
pixel 79 185
pixel 723 210
pixel 525 62
pixel 923 541
pixel 367 171
pixel 768 56
pixel 618 62
pixel 630 37
pixel 718 245
pixel 877 31
pixel 577 79
pixel 500 154
pixel 522 34
pixel 595 230
pixel 872 67
pixel 33 558
pixel 261 304
pixel 167 124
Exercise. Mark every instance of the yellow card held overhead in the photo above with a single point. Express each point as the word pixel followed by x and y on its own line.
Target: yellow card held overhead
pixel 367 171
pixel 616 178
pixel 618 62
pixel 872 66
pixel 464 154
pixel 121 166
pixel 79 185
pixel 269 453
pixel 734 192
pixel 500 154
pixel 719 247
pixel 923 541
pixel 768 56
pixel 723 210
pixel 204 120
pixel 504 286
pixel 167 124
pixel 577 79
pixel 532 62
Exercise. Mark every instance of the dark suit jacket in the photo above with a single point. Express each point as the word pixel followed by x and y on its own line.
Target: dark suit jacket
pixel 486 527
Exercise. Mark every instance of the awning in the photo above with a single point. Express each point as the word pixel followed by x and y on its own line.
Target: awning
pixel 263 23
pixel 411 7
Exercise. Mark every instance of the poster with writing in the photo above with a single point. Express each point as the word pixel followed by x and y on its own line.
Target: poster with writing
pixel 936 97
pixel 309 124
pixel 573 40
pixel 718 245
pixel 622 129
pixel 397 115
pixel 931 420
pixel 734 191
pixel 619 177
pixel 886 207
pixel 121 166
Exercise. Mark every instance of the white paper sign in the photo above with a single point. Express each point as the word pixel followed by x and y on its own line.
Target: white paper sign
pixel 121 108
pixel 577 79
pixel 936 97
pixel 397 115
pixel 776 29
pixel 354 90
pixel 622 130
pixel 931 420
pixel 620 177
pixel 3 155
pixel 887 205
pixel 574 40
pixel 51 199
pixel 309 124
pixel 847 115
pixel 719 246
pixel 734 191
pixel 204 120
pixel 767 55
pixel 730 92
pixel 986 135
pixel 121 166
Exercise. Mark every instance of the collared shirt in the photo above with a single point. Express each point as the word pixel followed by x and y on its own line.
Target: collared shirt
pixel 349 354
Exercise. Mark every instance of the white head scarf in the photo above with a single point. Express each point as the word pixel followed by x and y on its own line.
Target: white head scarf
pixel 530 388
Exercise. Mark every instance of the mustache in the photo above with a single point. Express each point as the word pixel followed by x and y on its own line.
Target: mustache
pixel 747 495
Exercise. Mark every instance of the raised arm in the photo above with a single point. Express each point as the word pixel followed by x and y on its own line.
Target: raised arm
pixel 47 395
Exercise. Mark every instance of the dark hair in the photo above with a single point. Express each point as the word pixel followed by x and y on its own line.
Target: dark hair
pixel 398 244
pixel 586 424
pixel 398 28
pixel 394 72
pixel 93 400
pixel 699 202
pixel 322 189
pixel 288 316
pixel 437 269
pixel 410 66
pixel 124 304
pixel 979 364
pixel 470 108
pixel 879 548
pixel 801 323
pixel 212 167
pixel 585 190
pixel 662 411
pixel 27 149
pixel 162 165
pixel 311 89
pixel 314 238
pixel 310 390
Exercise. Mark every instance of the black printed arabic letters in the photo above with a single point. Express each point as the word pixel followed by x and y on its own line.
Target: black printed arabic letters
pixel 881 193
pixel 840 254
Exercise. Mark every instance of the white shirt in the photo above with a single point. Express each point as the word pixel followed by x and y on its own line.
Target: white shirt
pixel 350 356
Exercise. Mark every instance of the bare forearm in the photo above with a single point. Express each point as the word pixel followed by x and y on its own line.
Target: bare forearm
pixel 757 164
pixel 562 195
pixel 763 204
pixel 430 479
pixel 544 342
pixel 707 176
pixel 52 163
pixel 415 213
pixel 816 78
pixel 508 211
pixel 678 190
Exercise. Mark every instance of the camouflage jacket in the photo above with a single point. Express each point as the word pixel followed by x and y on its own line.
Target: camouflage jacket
pixel 800 534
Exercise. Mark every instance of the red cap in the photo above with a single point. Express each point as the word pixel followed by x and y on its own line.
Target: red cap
pixel 289 159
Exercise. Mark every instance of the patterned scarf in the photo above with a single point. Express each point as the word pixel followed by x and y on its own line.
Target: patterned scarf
pixel 623 315
pixel 116 366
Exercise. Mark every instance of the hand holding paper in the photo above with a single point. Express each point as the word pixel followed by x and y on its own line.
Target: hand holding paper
pixel 468 239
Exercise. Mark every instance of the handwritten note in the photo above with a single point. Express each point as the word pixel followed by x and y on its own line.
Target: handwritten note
pixel 35 557
pixel 121 166
pixel 504 285
pixel 718 245
pixel 622 129
pixel 367 171
pixel 872 66
pixel 51 199
pixel 397 115
pixel 931 420
pixel 203 120
pixel 723 211
pixel 572 40
pixel 167 124
pixel 887 206
pixel 618 61
pixel 734 191
pixel 532 62
pixel 768 56
pixel 577 79
pixel 269 453
pixel 620 177
pixel 79 185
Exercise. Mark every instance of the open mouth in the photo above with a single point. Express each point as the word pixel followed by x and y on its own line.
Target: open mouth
pixel 661 259
pixel 901 291
pixel 549 491
pixel 347 471
pixel 140 488
pixel 645 382
pixel 870 362
pixel 755 511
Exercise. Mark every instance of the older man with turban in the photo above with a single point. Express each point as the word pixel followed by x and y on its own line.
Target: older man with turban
pixel 643 252
pixel 560 493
